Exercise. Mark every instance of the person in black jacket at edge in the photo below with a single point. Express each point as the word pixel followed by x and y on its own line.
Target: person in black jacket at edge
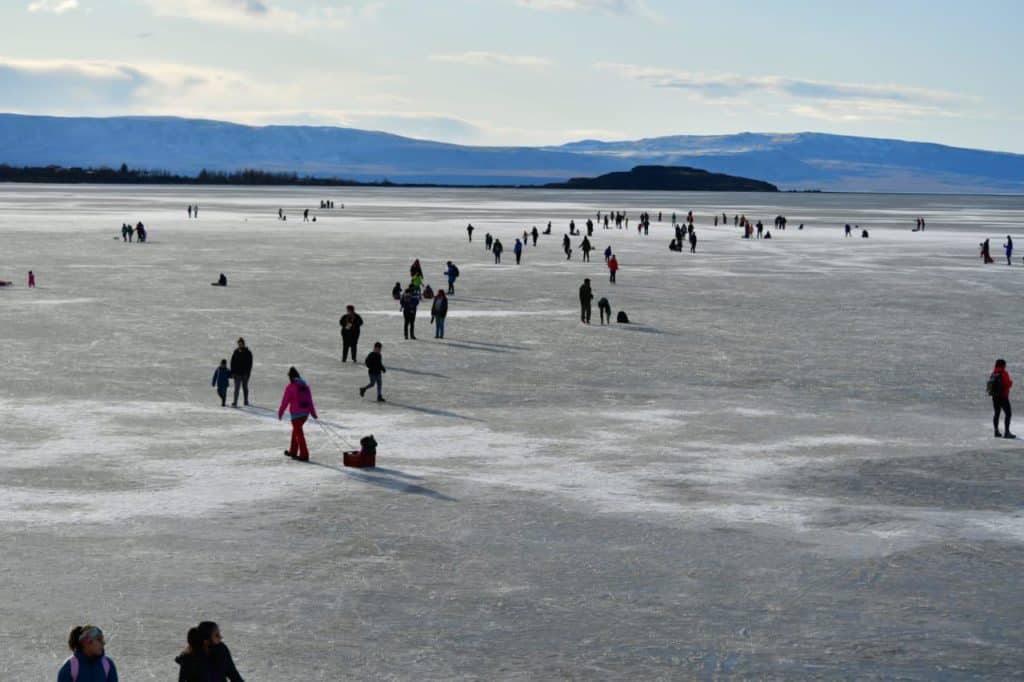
pixel 241 368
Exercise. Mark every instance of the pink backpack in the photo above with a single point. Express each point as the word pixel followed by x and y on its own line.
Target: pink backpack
pixel 73 662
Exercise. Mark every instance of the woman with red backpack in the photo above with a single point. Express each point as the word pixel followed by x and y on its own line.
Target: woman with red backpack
pixel 999 384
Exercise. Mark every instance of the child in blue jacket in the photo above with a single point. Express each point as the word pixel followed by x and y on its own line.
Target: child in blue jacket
pixel 221 379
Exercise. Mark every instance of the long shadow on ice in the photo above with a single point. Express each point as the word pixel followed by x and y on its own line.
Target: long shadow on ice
pixel 267 413
pixel 417 372
pixel 491 344
pixel 642 329
pixel 455 344
pixel 386 481
pixel 437 412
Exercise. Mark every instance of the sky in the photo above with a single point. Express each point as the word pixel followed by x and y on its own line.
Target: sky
pixel 531 72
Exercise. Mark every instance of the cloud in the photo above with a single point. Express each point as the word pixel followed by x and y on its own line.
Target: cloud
pixel 491 59
pixel 619 8
pixel 604 6
pixel 826 99
pixel 53 6
pixel 95 87
pixel 852 111
pixel 264 15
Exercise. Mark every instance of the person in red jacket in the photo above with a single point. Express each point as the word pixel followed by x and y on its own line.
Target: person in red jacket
pixel 613 266
pixel 1001 399
pixel 298 399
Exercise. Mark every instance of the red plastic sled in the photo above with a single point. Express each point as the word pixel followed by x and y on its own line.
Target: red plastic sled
pixel 359 460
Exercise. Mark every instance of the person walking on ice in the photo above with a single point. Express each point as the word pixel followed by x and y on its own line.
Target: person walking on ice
pixel 586 248
pixel 409 303
pixel 351 324
pixel 221 379
pixel 999 385
pixel 241 368
pixel 298 400
pixel 517 249
pixel 1008 247
pixel 586 297
pixel 375 368
pixel 469 231
pixel 613 267
pixel 438 313
pixel 496 249
pixel 452 273
pixel 31 280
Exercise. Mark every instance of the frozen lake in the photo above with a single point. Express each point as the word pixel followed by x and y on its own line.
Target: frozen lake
pixel 784 468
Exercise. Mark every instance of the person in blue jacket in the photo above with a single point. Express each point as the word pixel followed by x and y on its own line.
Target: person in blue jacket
pixel 452 273
pixel 88 662
pixel 221 379
pixel 518 251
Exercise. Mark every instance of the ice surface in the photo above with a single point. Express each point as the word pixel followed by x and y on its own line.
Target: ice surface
pixel 784 468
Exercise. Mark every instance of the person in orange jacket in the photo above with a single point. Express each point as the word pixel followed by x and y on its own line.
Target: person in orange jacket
pixel 613 266
pixel 999 386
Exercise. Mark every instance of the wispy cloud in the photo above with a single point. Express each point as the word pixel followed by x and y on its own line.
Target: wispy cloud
pixel 89 87
pixel 609 6
pixel 52 6
pixel 824 99
pixel 491 59
pixel 263 15
pixel 852 111
pixel 605 6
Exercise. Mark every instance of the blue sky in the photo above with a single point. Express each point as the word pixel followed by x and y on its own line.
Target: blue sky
pixel 531 71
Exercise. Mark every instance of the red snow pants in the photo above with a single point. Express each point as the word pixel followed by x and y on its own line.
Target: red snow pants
pixel 298 447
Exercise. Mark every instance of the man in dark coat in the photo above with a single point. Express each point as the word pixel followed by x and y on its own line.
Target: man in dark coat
pixel 586 296
pixel 350 324
pixel 241 368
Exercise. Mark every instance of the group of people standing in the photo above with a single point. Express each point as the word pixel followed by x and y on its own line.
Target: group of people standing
pixel 128 232
pixel 205 658
pixel 193 211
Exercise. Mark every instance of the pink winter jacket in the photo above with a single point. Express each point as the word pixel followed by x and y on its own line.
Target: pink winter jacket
pixel 298 399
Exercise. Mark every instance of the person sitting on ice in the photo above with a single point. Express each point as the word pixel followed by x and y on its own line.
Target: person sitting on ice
pixel 222 281
pixel 428 292
pixel 5 283
pixel 864 234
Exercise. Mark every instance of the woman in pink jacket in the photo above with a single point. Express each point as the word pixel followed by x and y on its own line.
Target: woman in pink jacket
pixel 299 401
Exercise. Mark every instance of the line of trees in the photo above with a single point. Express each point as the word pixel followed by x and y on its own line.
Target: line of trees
pixel 129 176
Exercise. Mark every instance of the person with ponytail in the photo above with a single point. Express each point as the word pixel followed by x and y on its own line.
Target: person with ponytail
pixel 206 658
pixel 88 661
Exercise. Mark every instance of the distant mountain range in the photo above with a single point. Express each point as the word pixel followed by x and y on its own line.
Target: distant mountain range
pixel 791 161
